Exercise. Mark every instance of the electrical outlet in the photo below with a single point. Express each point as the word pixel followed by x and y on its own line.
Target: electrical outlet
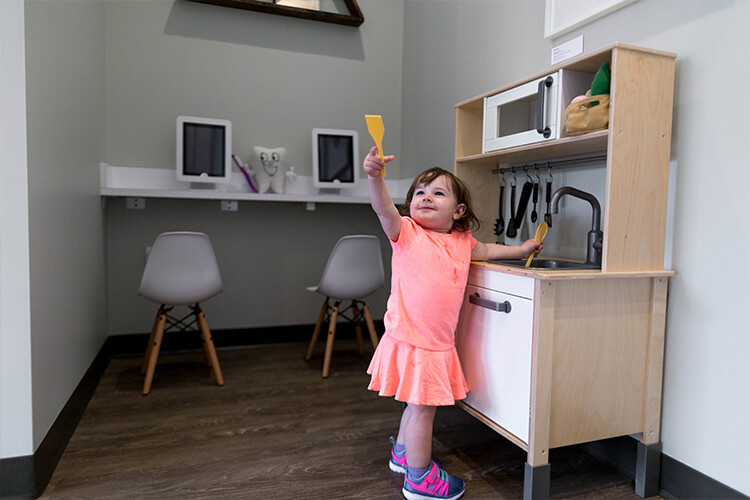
pixel 229 205
pixel 132 203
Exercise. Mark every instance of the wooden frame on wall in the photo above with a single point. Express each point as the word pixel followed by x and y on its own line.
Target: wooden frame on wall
pixel 354 18
pixel 562 16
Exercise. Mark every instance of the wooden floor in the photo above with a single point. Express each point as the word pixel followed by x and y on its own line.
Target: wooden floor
pixel 277 430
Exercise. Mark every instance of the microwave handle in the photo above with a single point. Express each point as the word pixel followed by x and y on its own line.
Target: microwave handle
pixel 540 128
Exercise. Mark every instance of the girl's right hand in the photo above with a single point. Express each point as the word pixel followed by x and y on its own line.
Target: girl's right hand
pixel 373 165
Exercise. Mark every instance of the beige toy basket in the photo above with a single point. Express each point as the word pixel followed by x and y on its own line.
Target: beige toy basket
pixel 582 117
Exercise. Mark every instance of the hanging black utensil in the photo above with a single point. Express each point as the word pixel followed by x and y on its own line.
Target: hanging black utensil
pixel 500 223
pixel 522 203
pixel 547 196
pixel 534 199
pixel 511 231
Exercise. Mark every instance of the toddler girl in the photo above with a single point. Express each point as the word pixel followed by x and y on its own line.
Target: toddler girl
pixel 416 360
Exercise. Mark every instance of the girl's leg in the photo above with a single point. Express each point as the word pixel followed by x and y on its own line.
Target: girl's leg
pixel 417 434
pixel 403 425
pixel 416 430
pixel 397 463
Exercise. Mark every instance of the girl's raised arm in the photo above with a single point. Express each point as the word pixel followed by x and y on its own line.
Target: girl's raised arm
pixel 380 198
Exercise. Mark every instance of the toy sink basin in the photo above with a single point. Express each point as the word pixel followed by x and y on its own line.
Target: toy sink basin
pixel 547 264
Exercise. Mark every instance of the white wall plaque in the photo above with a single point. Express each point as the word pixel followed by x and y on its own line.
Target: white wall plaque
pixel 562 16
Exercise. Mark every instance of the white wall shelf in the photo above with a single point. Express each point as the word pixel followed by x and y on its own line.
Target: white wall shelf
pixel 162 183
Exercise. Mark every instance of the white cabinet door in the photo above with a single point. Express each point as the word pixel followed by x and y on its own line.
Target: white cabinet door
pixel 495 352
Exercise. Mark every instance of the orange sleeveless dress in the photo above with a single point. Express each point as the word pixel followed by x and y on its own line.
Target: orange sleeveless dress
pixel 416 360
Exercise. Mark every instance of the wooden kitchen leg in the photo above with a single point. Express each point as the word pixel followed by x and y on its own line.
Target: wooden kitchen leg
pixel 536 481
pixel 648 470
pixel 536 475
pixel 655 362
pixel 648 463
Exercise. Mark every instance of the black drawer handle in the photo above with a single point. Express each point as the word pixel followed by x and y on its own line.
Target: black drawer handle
pixel 489 304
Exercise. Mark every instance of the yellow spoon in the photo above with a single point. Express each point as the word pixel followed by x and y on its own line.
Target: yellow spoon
pixel 541 232
pixel 376 129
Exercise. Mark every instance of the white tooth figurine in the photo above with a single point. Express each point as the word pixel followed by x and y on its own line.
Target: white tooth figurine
pixel 269 165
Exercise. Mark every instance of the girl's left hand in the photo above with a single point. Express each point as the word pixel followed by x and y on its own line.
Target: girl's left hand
pixel 531 245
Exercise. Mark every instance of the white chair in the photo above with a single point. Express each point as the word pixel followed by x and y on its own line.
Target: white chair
pixel 181 270
pixel 354 271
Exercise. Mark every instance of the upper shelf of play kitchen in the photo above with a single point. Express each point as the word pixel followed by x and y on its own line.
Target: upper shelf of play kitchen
pixel 636 142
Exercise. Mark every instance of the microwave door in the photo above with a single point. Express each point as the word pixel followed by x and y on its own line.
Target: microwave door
pixel 522 115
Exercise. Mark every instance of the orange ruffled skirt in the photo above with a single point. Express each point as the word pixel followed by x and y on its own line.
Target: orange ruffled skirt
pixel 417 376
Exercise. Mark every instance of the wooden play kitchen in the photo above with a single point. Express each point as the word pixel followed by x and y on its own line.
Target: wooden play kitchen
pixel 562 357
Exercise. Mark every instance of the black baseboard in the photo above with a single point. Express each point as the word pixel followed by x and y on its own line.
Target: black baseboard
pixel 677 481
pixel 17 477
pixel 27 476
pixel 135 344
pixel 683 482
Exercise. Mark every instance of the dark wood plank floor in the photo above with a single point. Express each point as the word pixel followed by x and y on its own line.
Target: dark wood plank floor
pixel 277 430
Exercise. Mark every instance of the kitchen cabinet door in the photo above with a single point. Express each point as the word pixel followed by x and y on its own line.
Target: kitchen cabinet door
pixel 495 352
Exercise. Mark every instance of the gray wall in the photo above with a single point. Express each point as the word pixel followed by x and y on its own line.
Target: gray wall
pixel 276 79
pixel 65 114
pixel 268 254
pixel 458 49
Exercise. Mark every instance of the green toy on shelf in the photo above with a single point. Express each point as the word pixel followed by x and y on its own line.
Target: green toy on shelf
pixel 600 83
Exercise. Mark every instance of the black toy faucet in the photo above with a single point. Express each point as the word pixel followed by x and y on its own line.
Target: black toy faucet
pixel 595 236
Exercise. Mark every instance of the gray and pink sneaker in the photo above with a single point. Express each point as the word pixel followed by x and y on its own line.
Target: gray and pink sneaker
pixel 435 483
pixel 397 462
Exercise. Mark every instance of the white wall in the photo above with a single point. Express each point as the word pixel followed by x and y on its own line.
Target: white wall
pixel 15 324
pixel 65 115
pixel 457 49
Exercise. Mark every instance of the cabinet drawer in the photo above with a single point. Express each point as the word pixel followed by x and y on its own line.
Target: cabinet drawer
pixel 523 286
pixel 495 352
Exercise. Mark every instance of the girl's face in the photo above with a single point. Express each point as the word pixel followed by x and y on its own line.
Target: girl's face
pixel 434 206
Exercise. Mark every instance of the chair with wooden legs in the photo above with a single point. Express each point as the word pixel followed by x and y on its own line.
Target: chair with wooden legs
pixel 354 271
pixel 181 270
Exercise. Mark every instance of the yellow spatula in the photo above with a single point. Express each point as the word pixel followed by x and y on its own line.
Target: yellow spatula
pixel 376 129
pixel 541 232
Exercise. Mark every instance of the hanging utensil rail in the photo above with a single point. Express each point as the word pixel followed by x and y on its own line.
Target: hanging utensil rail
pixel 549 164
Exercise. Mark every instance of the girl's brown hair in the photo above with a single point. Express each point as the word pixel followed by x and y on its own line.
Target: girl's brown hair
pixel 468 221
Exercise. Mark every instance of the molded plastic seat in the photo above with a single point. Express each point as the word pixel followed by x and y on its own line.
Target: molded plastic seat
pixel 181 270
pixel 354 270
